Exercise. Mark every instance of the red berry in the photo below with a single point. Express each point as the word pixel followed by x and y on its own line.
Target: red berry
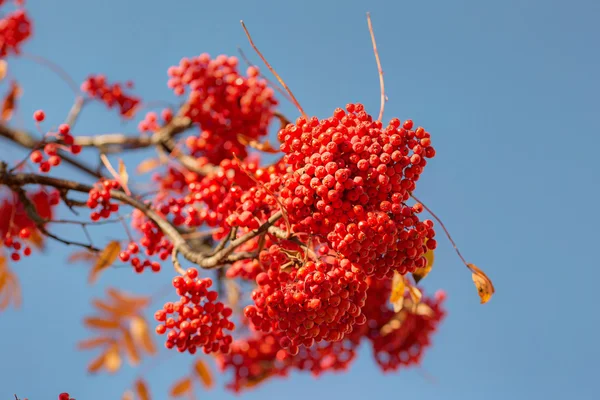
pixel 39 115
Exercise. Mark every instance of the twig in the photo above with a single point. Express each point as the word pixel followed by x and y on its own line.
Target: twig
pixel 379 69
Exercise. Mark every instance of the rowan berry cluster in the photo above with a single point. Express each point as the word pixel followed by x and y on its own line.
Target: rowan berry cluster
pixel 223 103
pixel 65 396
pixel 352 180
pixel 316 301
pixel 99 197
pixel 199 320
pixel 97 87
pixel 17 229
pixel 15 28
pixel 64 140
pixel 150 123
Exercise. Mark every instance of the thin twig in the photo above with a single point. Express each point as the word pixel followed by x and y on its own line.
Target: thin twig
pixel 379 69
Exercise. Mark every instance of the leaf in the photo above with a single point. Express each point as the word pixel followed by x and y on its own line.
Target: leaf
pixel 100 323
pixel 141 334
pixel 96 364
pixel 10 290
pixel 415 294
pixel 424 310
pixel 148 165
pixel 128 395
pixel 123 173
pixel 94 342
pixel 3 69
pixel 107 257
pixel 115 311
pixel 397 295
pixel 421 273
pixel 255 144
pixel 83 255
pixel 36 239
pixel 203 373
pixel 114 173
pixel 142 389
pixel 112 359
pixel 9 103
pixel 484 285
pixel 130 348
pixel 181 387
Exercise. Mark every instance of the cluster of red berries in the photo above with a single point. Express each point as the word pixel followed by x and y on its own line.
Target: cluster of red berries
pixel 150 121
pixel 130 255
pixel 64 141
pixel 15 28
pixel 224 103
pixel 317 301
pixel 17 228
pixel 201 320
pixel 97 87
pixel 65 396
pixel 99 196
pixel 352 180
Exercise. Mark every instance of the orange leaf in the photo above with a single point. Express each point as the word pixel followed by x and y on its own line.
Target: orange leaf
pixel 255 144
pixel 9 103
pixel 82 255
pixel 10 290
pixel 112 359
pixel 127 301
pixel 397 295
pixel 421 273
pixel 130 348
pixel 141 334
pixel 181 387
pixel 110 309
pixel 3 69
pixel 100 323
pixel 148 165
pixel 484 285
pixel 142 390
pixel 36 239
pixel 415 294
pixel 105 260
pixel 96 364
pixel 203 372
pixel 95 342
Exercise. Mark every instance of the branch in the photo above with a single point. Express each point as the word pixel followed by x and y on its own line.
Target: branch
pixel 224 256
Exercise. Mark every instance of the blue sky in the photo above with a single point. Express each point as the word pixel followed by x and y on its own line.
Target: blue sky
pixel 509 91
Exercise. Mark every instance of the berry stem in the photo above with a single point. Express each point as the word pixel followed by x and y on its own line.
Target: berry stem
pixel 294 100
pixel 379 69
pixel 444 228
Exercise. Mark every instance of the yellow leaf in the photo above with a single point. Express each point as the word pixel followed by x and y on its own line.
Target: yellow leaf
pixel 95 342
pixel 130 348
pixel 123 173
pixel 82 255
pixel 397 295
pixel 415 294
pixel 203 373
pixel 255 144
pixel 421 273
pixel 142 389
pixel 424 310
pixel 148 165
pixel 3 69
pixel 181 387
pixel 100 323
pixel 484 285
pixel 105 260
pixel 141 334
pixel 112 360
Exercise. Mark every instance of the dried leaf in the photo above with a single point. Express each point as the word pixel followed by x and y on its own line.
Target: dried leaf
pixel 181 387
pixel 142 389
pixel 82 255
pixel 123 173
pixel 96 364
pixel 36 239
pixel 9 103
pixel 203 373
pixel 105 260
pixel 10 290
pixel 114 173
pixel 94 342
pixel 112 359
pixel 100 323
pixel 130 348
pixel 115 311
pixel 484 285
pixel 424 310
pixel 421 273
pixel 255 144
pixel 148 165
pixel 415 294
pixel 141 334
pixel 127 301
pixel 3 69
pixel 397 295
